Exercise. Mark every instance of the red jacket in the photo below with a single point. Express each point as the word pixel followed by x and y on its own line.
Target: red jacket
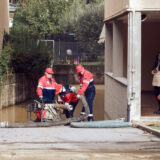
pixel 85 79
pixel 46 88
pixel 69 97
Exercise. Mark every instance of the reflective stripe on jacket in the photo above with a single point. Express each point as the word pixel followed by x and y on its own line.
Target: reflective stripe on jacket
pixel 46 88
pixel 86 79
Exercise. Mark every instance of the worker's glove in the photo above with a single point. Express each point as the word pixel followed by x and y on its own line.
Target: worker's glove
pixel 78 96
pixel 40 99
pixel 158 97
pixel 73 89
pixel 69 107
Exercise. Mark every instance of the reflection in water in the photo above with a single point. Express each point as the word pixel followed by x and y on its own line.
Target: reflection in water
pixel 14 114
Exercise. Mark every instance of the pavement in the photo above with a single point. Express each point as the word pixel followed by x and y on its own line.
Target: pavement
pixel 149 129
pixel 64 142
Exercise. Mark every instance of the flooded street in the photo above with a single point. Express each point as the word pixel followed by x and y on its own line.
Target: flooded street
pixel 15 113
pixel 18 113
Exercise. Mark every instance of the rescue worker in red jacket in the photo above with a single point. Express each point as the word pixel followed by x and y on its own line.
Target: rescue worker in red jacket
pixel 66 95
pixel 46 89
pixel 87 87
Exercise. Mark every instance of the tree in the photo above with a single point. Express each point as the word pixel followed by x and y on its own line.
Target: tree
pixel 86 21
pixel 38 17
pixel 31 22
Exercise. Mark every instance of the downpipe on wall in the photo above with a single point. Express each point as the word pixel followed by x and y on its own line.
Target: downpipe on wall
pixel 129 106
pixel 131 94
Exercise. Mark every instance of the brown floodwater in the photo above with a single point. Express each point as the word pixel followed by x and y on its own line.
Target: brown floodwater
pixel 18 113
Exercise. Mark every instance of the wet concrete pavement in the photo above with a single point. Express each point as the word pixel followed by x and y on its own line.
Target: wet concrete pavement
pixel 63 142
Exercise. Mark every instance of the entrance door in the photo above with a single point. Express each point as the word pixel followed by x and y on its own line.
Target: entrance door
pixel 150 48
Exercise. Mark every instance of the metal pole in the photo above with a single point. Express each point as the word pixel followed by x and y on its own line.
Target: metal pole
pixel 59 47
pixel 53 53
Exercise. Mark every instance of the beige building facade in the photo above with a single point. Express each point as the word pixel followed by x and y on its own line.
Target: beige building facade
pixel 4 20
pixel 132 38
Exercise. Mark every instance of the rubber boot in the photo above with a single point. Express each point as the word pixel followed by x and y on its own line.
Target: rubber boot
pixel 90 118
pixel 157 112
pixel 37 120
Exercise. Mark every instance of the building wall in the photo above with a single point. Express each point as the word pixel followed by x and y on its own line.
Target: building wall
pixel 144 4
pixel 117 7
pixel 116 70
pixel 15 89
pixel 114 7
pixel 150 47
pixel 115 98
pixel 4 20
pixel 135 65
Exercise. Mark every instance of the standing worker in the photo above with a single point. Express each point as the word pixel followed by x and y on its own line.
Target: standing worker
pixel 66 95
pixel 156 81
pixel 87 87
pixel 46 89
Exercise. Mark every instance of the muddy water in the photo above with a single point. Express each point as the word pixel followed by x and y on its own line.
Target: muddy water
pixel 18 113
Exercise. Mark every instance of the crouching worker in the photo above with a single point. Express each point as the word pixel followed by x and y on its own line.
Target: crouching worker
pixel 67 96
pixel 87 87
pixel 45 91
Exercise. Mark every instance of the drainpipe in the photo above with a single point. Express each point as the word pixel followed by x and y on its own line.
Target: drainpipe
pixel 128 112
pixel 129 104
pixel 131 95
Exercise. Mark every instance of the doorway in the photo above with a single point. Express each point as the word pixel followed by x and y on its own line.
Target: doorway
pixel 150 48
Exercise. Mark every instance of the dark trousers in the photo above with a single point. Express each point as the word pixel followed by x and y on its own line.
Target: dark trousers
pixel 90 94
pixel 157 92
pixel 69 114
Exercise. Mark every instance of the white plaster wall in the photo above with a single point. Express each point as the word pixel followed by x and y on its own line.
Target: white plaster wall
pixel 117 7
pixel 113 7
pixel 115 98
pixel 144 4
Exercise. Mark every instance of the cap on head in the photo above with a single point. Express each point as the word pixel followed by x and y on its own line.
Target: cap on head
pixel 79 68
pixel 49 70
pixel 58 88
